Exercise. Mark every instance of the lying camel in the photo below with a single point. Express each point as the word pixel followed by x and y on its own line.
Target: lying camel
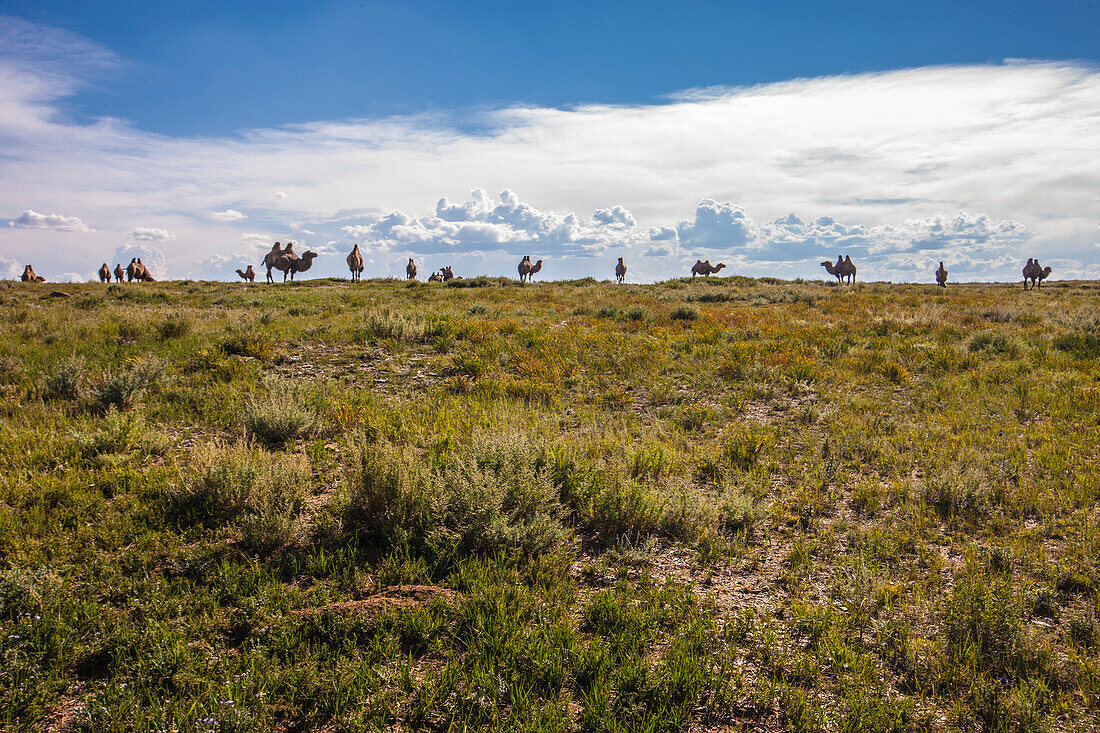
pixel 119 273
pixel 941 276
pixel 435 277
pixel 247 274
pixel 355 264
pixel 447 274
pixel 705 269
pixel 290 263
pixel 105 273
pixel 524 268
pixel 28 276
pixel 410 270
pixel 620 271
pixel 141 272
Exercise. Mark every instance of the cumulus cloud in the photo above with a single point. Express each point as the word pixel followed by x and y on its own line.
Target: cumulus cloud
pixel 31 219
pixel 616 217
pixel 228 215
pixel 148 234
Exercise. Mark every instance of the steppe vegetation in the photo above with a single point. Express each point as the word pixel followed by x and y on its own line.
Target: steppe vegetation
pixel 717 504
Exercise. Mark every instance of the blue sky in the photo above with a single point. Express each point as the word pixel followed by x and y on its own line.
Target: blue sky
pixel 765 133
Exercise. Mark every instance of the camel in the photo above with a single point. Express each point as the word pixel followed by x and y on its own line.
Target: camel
pixel 848 269
pixel 355 264
pixel 435 277
pixel 534 268
pixel 832 269
pixel 620 271
pixel 941 276
pixel 141 272
pixel 247 274
pixel 410 270
pixel 705 269
pixel 1036 273
pixel 290 263
pixel 119 273
pixel 524 267
pixel 132 270
pixel 447 274
pixel 105 273
pixel 273 256
pixel 29 276
pixel 844 268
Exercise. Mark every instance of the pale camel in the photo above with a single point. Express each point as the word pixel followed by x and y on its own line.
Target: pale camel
pixel 132 270
pixel 447 274
pixel 119 273
pixel 290 263
pixel 620 271
pixel 247 274
pixel 410 270
pixel 524 268
pixel 29 276
pixel 141 272
pixel 534 268
pixel 105 273
pixel 941 276
pixel 435 277
pixel 704 268
pixel 355 264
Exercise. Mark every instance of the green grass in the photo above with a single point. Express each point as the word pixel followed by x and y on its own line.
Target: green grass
pixel 729 504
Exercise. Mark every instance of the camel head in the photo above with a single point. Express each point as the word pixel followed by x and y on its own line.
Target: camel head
pixel 447 272
pixel 719 266
pixel 309 256
pixel 620 260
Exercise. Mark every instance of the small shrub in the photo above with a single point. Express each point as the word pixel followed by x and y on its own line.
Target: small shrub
pixel 253 345
pixel 627 509
pixel 1081 345
pixel 994 343
pixel 174 325
pixel 124 389
pixel 608 311
pixel 280 415
pixel 120 432
pixel 637 313
pixel 67 380
pixel 738 512
pixel 684 313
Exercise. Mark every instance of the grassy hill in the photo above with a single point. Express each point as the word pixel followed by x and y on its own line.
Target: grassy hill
pixel 696 505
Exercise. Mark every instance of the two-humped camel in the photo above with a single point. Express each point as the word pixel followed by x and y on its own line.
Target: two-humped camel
pixel 355 264
pixel 410 270
pixel 1036 273
pixel 704 268
pixel 104 273
pixel 844 268
pixel 620 271
pixel 447 274
pixel 119 272
pixel 29 276
pixel 435 277
pixel 137 270
pixel 526 269
pixel 247 274
pixel 941 275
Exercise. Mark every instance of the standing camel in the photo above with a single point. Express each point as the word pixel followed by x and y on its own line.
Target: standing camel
pixel 105 273
pixel 355 264
pixel 848 269
pixel 941 275
pixel 290 263
pixel 524 268
pixel 620 271
pixel 132 270
pixel 248 274
pixel 705 269
pixel 119 272
pixel 1036 273
pixel 832 269
pixel 534 268
pixel 410 270
pixel 447 274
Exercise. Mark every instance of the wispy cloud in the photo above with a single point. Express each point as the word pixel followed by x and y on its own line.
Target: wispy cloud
pixel 150 234
pixel 985 165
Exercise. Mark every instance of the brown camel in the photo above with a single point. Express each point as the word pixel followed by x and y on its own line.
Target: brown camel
pixel 247 274
pixel 832 269
pixel 410 270
pixel 435 277
pixel 29 276
pixel 941 275
pixel 355 264
pixel 620 271
pixel 848 269
pixel 534 268
pixel 524 267
pixel 119 273
pixel 290 263
pixel 105 273
pixel 447 274
pixel 704 268
pixel 132 270
pixel 1043 275
pixel 1036 273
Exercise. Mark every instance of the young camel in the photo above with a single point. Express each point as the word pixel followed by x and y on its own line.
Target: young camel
pixel 435 277
pixel 29 276
pixel 248 274
pixel 410 270
pixel 620 271
pixel 941 275
pixel 105 273
pixel 355 264
pixel 119 272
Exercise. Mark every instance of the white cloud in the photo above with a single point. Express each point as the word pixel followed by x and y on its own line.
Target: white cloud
pixel 151 257
pixel 30 219
pixel 257 238
pixel 147 234
pixel 875 163
pixel 228 215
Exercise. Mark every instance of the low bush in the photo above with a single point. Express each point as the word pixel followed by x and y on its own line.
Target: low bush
pixel 123 389
pixel 282 414
pixel 67 380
